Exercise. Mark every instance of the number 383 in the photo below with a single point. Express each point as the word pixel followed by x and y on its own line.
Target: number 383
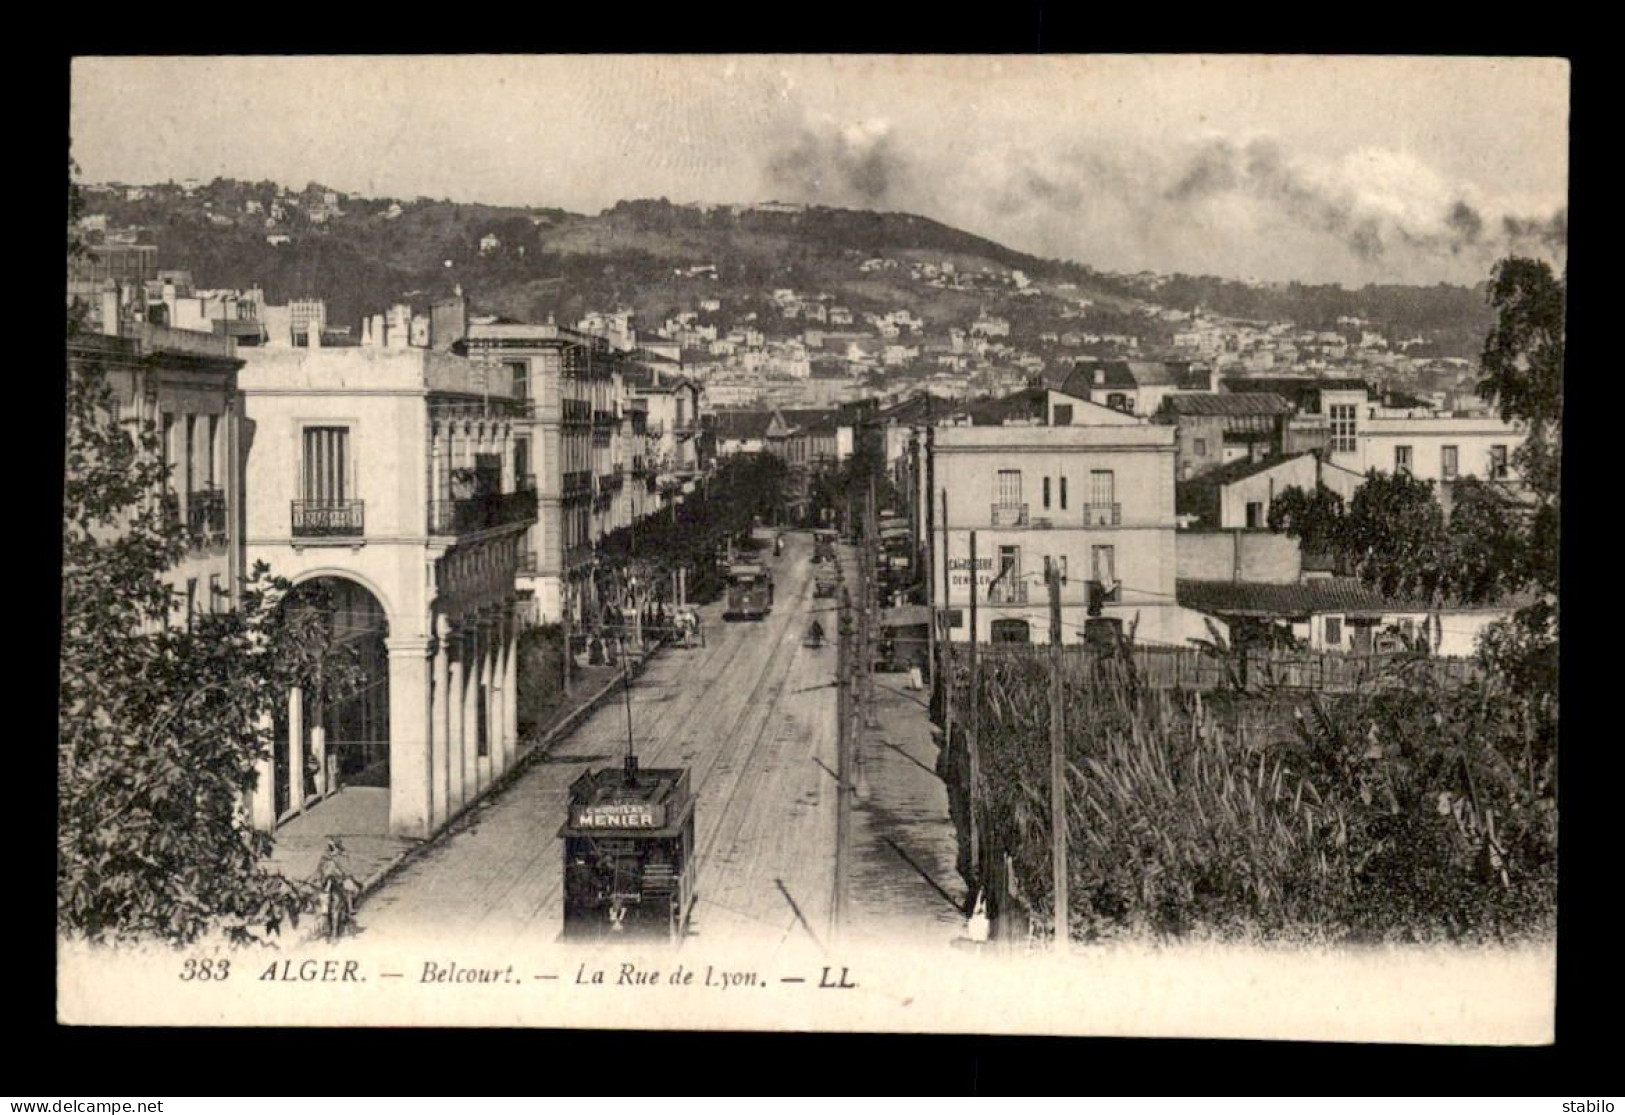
pixel 205 969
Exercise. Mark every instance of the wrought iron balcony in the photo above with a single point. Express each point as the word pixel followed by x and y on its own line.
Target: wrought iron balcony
pixel 1009 514
pixel 1008 591
pixel 465 516
pixel 1099 595
pixel 577 484
pixel 1102 514
pixel 206 516
pixel 328 518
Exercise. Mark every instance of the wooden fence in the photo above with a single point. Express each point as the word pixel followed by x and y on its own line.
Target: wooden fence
pixel 1167 667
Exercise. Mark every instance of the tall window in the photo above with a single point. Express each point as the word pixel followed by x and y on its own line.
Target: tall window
pixel 1046 493
pixel 521 461
pixel 1402 459
pixel 1343 419
pixel 190 460
pixel 1200 447
pixel 1255 515
pixel 1102 487
pixel 1063 493
pixel 1103 561
pixel 1498 462
pixel 1334 631
pixel 519 376
pixel 1010 587
pixel 327 458
pixel 1009 487
pixel 166 447
pixel 212 453
pixel 1449 462
pixel 217 601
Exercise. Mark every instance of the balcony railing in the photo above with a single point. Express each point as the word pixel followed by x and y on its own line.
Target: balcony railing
pixel 577 484
pixel 1099 595
pixel 465 516
pixel 1009 514
pixel 328 518
pixel 206 516
pixel 1008 591
pixel 1102 514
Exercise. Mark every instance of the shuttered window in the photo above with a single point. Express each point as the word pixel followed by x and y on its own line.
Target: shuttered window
pixel 327 455
pixel 1102 488
pixel 1009 487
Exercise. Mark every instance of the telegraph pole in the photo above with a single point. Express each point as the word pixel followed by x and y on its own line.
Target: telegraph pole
pixel 843 741
pixel 930 547
pixel 974 727
pixel 1057 752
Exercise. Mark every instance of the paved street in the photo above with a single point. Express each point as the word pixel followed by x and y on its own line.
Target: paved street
pixel 752 713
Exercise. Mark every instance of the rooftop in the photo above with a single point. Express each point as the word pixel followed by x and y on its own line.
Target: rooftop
pixel 1345 595
pixel 1249 403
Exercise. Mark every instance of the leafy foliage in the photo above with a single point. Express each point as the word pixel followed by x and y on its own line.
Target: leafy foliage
pixel 1423 813
pixel 161 722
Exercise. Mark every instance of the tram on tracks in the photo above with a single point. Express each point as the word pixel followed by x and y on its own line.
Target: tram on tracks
pixel 750 591
pixel 629 854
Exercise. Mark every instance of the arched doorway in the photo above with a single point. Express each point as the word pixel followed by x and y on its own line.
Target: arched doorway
pixel 342 736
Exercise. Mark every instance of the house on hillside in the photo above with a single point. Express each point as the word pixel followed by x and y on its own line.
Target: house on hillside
pixel 1138 386
pixel 1238 495
pixel 741 431
pixel 1216 430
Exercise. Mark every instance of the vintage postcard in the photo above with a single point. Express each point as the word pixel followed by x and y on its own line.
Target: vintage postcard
pixel 1011 545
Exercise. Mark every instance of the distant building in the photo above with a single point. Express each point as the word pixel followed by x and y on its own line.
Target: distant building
pixel 1095 496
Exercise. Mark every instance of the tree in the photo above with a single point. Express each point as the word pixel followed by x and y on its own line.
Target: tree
pixel 1395 534
pixel 160 724
pixel 1316 518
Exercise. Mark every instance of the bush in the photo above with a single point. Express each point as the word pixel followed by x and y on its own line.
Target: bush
pixel 1420 814
pixel 541 670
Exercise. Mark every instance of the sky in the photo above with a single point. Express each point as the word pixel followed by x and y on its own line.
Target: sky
pixel 1351 170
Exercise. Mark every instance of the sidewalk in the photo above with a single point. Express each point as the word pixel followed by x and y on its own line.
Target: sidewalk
pixel 358 814
pixel 905 883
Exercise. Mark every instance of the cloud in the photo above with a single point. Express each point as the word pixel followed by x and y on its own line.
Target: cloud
pixel 856 163
pixel 1233 205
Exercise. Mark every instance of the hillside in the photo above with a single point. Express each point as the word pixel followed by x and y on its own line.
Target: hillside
pixel 361 254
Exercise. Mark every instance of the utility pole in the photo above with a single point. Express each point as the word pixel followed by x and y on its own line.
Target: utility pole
pixel 974 728
pixel 1057 753
pixel 843 727
pixel 930 547
pixel 947 631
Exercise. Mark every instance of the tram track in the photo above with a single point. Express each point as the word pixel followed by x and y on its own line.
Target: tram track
pixel 718 773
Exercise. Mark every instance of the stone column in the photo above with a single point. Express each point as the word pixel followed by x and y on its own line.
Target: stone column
pixel 318 751
pixel 296 749
pixel 439 752
pixel 510 689
pixel 458 789
pixel 262 803
pixel 488 761
pixel 409 780
pixel 471 705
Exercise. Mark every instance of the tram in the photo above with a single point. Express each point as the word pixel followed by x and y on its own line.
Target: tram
pixel 629 854
pixel 750 591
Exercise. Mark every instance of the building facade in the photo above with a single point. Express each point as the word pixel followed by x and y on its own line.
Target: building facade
pixel 1096 498
pixel 185 384
pixel 392 480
